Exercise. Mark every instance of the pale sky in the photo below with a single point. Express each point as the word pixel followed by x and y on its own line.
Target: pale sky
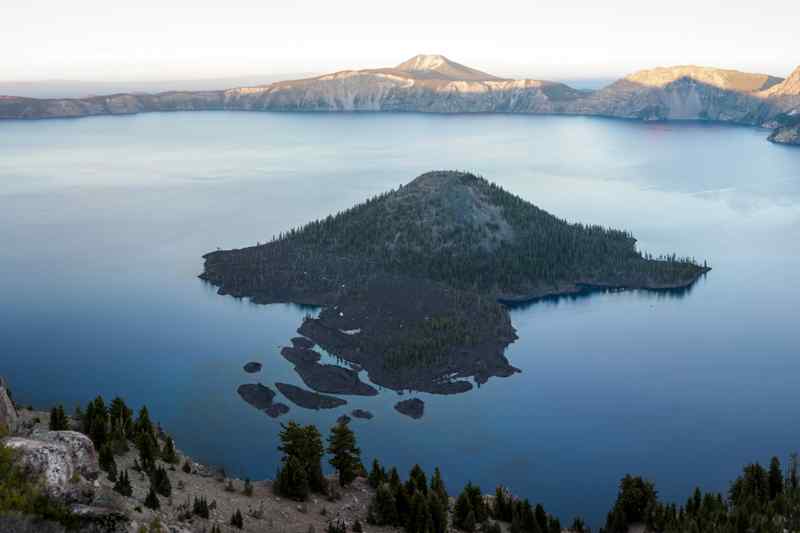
pixel 556 39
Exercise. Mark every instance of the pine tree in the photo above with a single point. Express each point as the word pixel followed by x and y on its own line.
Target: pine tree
pixel 123 485
pixel 237 520
pixel 292 479
pixel 151 501
pixel 346 455
pixel 382 507
pixel 419 520
pixel 775 478
pixel 160 480
pixel 462 510
pixel 438 513
pixel 95 422
pixel 148 449
pixel 248 487
pixel 106 460
pixel 58 419
pixel 377 475
pixel 168 454
pixel 200 507
pixel 305 445
pixel 187 467
pixel 438 488
pixel 418 479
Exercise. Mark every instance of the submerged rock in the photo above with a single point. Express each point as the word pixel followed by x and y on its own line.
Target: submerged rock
pixel 302 342
pixel 257 395
pixel 361 413
pixel 252 367
pixel 300 356
pixel 413 408
pixel 334 380
pixel 277 409
pixel 260 396
pixel 309 399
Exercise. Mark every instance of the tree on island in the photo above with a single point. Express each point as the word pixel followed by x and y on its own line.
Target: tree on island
pixel 346 455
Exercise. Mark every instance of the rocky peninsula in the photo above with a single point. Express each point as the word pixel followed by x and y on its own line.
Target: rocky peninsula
pixel 436 84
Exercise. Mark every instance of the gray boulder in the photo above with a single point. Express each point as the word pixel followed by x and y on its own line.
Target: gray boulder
pixel 8 413
pixel 62 460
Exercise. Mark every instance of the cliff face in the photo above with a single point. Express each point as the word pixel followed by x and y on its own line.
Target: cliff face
pixel 436 84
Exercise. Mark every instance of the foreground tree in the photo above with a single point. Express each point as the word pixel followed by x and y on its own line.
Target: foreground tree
pixel 346 455
pixel 301 469
pixel 58 419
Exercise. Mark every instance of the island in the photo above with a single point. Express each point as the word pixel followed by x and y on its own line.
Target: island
pixel 414 283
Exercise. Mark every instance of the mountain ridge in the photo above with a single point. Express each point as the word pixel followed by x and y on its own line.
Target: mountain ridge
pixel 435 84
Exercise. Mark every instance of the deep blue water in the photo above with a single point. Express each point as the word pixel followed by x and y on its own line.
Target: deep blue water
pixel 103 222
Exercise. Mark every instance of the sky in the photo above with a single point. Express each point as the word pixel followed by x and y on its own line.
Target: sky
pixel 552 39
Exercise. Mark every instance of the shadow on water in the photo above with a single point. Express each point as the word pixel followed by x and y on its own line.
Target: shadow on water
pixel 587 291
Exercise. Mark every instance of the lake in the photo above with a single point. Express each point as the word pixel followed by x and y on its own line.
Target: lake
pixel 103 222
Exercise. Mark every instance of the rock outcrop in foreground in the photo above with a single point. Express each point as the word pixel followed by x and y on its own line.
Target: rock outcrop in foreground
pixel 433 83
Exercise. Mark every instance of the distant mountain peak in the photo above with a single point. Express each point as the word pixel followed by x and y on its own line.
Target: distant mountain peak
pixel 733 80
pixel 788 87
pixel 440 67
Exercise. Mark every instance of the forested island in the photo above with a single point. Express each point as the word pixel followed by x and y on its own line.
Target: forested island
pixel 413 282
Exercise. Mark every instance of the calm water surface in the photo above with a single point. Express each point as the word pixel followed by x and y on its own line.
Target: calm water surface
pixel 103 222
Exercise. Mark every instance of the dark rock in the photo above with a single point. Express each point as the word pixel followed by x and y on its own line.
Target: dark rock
pixel 277 409
pixel 414 408
pixel 257 395
pixel 309 399
pixel 252 367
pixel 334 380
pixel 302 342
pixel 300 356
pixel 361 413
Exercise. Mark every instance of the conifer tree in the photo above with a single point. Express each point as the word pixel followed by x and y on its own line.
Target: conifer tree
pixel 200 507
pixel 160 480
pixel 292 479
pixel 419 520
pixel 248 487
pixel 346 455
pixel 418 479
pixel 58 419
pixel 438 513
pixel 123 484
pixel 151 501
pixel 168 454
pixel 377 475
pixel 237 520
pixel 145 443
pixel 775 478
pixel 187 467
pixel 438 488
pixel 305 445
pixel 382 507
pixel 463 510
